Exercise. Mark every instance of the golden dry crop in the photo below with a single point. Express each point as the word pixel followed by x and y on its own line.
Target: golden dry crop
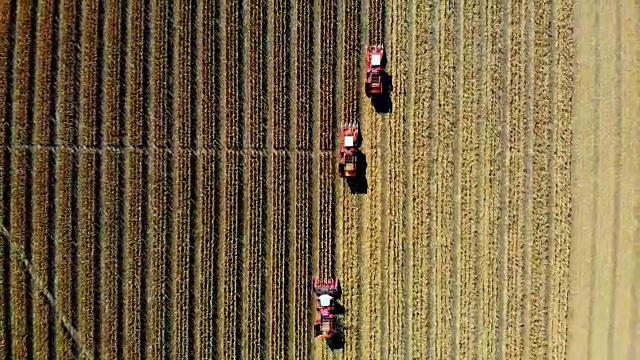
pixel 169 186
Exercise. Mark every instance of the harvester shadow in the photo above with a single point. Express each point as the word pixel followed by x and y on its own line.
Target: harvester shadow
pixel 359 184
pixel 337 342
pixel 382 103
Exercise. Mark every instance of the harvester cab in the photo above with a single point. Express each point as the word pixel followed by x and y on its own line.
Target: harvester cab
pixel 326 291
pixel 350 135
pixel 375 59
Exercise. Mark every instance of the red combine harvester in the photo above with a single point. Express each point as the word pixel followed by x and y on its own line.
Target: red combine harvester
pixel 350 135
pixel 375 70
pixel 326 291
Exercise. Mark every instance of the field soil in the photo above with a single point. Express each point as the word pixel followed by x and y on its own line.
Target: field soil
pixel 169 179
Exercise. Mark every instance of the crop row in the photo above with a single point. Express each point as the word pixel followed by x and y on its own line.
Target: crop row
pixel 184 83
pixel 514 347
pixel 160 227
pixel 254 73
pixel 326 220
pixel 229 327
pixel 444 196
pixel 305 75
pixel 45 77
pixel 281 54
pixel 327 68
pixel 424 166
pixel 136 118
pixel 253 256
pixel 234 80
pixel 184 192
pixel 207 247
pixel 300 258
pixel 278 254
pixel 115 73
pixel 134 261
pixel 160 91
pixel 210 38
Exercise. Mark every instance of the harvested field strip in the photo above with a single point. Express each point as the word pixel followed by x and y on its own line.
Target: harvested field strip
pixel 278 254
pixel 229 329
pixel 444 174
pixel 19 239
pixel 397 173
pixel 136 223
pixel 184 190
pixel 539 336
pixel 207 247
pixel 300 258
pixel 45 81
pixel 88 248
pixel 423 322
pixel 112 253
pixel 160 205
pixel 253 257
pixel 514 347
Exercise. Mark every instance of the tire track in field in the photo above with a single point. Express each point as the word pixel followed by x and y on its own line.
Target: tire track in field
pixel 161 199
pixel 279 190
pixel 231 266
pixel 301 256
pixel 208 244
pixel 90 163
pixel 255 179
pixel 136 221
pixel 424 91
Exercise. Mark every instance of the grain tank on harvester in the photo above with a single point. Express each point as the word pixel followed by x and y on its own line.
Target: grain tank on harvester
pixel 326 292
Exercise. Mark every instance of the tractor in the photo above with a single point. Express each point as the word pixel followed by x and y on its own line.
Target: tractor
pixel 349 151
pixel 326 292
pixel 375 61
